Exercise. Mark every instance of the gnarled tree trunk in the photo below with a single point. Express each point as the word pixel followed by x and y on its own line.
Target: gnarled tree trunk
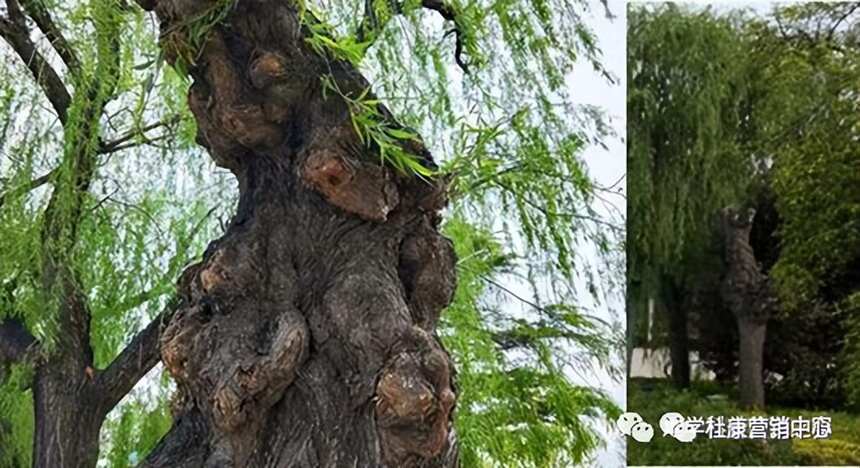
pixel 747 293
pixel 306 336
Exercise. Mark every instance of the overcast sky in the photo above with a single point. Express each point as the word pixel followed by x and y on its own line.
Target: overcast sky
pixel 607 166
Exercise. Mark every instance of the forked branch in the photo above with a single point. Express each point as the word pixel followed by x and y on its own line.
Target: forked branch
pixel 36 10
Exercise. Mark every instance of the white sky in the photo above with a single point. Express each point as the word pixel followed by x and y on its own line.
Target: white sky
pixel 607 166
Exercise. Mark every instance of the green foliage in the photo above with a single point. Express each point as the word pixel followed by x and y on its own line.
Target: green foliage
pixel 16 417
pixel 811 127
pixel 688 95
pixel 376 133
pixel 372 127
pixel 136 430
pixel 189 35
pixel 131 267
pixel 123 243
pixel 547 186
pixel 20 257
pixel 841 449
pixel 817 168
pixel 828 452
pixel 852 349
pixel 508 131
pixel 323 38
pixel 517 407
pixel 684 151
pixel 95 85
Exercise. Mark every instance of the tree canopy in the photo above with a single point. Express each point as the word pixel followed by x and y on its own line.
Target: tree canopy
pixel 685 157
pixel 814 62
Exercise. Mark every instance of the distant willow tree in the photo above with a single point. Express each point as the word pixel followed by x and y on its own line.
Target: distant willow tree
pixel 308 333
pixel 685 111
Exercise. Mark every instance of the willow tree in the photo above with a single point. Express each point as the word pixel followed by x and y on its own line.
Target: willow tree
pixel 308 333
pixel 685 104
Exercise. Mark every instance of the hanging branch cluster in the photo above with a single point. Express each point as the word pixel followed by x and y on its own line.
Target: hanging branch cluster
pixel 72 180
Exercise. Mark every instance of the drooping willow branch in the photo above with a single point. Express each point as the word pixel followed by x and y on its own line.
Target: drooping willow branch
pixel 31 185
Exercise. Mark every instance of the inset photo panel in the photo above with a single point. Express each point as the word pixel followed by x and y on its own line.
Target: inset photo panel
pixel 743 234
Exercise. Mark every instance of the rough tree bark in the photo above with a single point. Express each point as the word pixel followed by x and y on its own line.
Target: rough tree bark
pixel 748 295
pixel 306 335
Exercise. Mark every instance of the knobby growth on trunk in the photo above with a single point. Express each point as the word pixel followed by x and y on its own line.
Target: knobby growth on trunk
pixel 747 293
pixel 306 335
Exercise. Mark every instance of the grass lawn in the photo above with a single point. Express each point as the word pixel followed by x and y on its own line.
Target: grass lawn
pixel 652 398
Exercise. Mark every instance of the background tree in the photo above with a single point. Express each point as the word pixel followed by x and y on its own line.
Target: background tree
pixel 807 61
pixel 99 216
pixel 685 161
pixel 814 63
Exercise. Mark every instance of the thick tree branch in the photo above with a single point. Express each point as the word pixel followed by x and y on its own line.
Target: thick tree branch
pixel 14 341
pixel 138 358
pixel 36 9
pixel 47 78
pixel 448 13
pixel 31 185
pixel 14 31
pixel 370 25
